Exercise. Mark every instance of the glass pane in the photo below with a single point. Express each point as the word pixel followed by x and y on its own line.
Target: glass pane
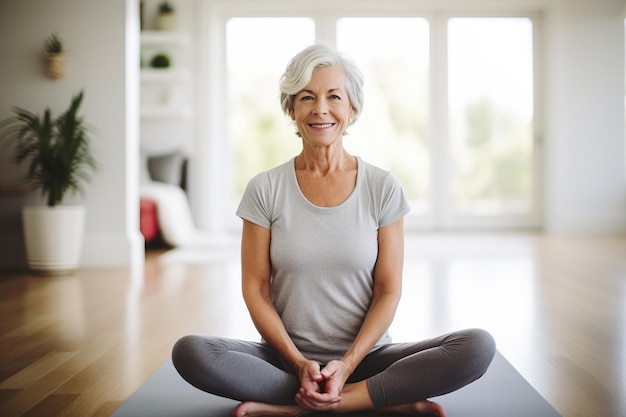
pixel 393 54
pixel 260 135
pixel 490 64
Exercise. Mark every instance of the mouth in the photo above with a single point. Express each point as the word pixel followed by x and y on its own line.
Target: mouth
pixel 321 125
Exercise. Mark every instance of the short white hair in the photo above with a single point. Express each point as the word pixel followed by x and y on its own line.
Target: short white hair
pixel 300 69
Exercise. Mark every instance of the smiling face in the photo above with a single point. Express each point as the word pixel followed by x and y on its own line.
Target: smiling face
pixel 322 110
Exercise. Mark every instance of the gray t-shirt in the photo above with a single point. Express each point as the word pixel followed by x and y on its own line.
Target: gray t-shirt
pixel 322 258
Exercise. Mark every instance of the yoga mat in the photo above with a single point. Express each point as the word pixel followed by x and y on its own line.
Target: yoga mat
pixel 502 391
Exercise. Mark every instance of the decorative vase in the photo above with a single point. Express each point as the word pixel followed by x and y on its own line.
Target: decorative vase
pixel 165 21
pixel 53 238
pixel 55 65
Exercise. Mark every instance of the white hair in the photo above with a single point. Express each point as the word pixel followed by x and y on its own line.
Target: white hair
pixel 300 70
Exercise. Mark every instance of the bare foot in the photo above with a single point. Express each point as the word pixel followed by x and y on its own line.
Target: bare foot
pixel 253 409
pixel 420 408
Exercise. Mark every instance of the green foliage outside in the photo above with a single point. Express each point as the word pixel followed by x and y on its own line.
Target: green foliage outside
pixel 493 154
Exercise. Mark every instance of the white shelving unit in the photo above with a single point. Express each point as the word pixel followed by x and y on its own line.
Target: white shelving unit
pixel 166 92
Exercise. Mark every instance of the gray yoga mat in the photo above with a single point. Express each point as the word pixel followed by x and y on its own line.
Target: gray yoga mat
pixel 502 391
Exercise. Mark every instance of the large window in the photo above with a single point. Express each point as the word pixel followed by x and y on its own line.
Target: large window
pixel 449 108
pixel 490 79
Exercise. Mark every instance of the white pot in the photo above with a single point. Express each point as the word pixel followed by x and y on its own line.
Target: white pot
pixel 53 237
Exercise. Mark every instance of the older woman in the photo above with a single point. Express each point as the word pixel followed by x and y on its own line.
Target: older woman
pixel 322 256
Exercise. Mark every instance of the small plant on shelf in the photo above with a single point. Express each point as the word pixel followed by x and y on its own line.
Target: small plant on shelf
pixel 165 8
pixel 161 61
pixel 165 17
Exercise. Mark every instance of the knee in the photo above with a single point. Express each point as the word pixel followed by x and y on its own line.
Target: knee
pixel 482 339
pixel 186 352
pixel 182 349
pixel 482 346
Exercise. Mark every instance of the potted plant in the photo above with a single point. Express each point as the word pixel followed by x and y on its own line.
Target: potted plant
pixel 160 60
pixel 54 56
pixel 165 17
pixel 58 157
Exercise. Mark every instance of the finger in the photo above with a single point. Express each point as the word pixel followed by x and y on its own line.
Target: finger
pixel 310 386
pixel 330 369
pixel 319 397
pixel 310 403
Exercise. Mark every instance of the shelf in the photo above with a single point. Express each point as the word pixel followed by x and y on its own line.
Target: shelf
pixel 166 92
pixel 164 112
pixel 169 75
pixel 162 37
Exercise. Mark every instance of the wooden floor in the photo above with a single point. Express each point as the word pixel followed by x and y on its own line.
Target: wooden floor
pixel 81 345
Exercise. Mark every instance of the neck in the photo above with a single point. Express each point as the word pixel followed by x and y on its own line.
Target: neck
pixel 324 160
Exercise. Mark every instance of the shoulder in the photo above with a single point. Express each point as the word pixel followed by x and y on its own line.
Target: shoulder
pixel 376 176
pixel 272 175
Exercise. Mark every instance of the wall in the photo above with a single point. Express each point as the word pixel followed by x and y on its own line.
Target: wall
pixel 585 188
pixel 101 39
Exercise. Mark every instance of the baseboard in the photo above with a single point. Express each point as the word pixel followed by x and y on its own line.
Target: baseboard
pixel 112 250
pixel 100 250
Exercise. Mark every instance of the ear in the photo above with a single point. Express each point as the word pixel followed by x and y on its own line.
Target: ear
pixel 292 114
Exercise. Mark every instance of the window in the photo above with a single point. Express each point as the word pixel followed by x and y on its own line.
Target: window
pixel 490 79
pixel 449 108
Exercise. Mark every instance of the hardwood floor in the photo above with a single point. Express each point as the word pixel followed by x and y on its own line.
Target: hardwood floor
pixel 80 345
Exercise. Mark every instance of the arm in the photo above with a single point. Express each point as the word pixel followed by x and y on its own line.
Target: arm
pixel 386 295
pixel 255 268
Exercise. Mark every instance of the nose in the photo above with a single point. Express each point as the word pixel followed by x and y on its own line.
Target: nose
pixel 321 107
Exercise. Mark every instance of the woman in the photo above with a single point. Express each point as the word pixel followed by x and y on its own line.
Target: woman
pixel 322 255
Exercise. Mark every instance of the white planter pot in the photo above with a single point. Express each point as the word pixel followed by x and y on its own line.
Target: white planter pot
pixel 53 237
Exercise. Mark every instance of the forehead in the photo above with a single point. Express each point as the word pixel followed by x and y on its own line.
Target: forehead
pixel 327 78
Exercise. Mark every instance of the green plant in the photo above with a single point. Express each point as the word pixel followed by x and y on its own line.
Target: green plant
pixel 53 44
pixel 56 150
pixel 160 61
pixel 165 8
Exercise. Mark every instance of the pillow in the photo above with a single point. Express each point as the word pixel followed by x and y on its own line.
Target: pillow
pixel 166 168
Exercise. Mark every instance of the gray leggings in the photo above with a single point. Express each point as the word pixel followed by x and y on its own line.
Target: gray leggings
pixel 396 373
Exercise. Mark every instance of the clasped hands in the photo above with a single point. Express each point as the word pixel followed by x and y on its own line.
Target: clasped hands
pixel 320 389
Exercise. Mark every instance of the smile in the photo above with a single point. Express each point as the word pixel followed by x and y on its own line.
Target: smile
pixel 321 126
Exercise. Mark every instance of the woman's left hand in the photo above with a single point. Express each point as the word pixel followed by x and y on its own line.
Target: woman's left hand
pixel 335 375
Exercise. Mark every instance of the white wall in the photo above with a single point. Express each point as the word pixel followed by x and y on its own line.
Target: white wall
pixel 585 187
pixel 100 58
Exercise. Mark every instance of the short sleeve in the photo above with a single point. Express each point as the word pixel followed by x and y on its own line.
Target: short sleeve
pixel 254 205
pixel 394 204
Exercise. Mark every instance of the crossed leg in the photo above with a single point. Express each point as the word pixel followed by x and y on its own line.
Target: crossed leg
pixel 395 379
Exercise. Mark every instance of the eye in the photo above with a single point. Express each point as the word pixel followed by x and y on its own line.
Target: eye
pixel 306 98
pixel 335 97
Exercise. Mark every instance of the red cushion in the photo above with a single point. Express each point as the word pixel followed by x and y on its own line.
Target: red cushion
pixel 148 222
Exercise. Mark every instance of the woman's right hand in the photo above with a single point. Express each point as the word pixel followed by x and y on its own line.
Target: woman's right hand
pixel 310 375
pixel 313 394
